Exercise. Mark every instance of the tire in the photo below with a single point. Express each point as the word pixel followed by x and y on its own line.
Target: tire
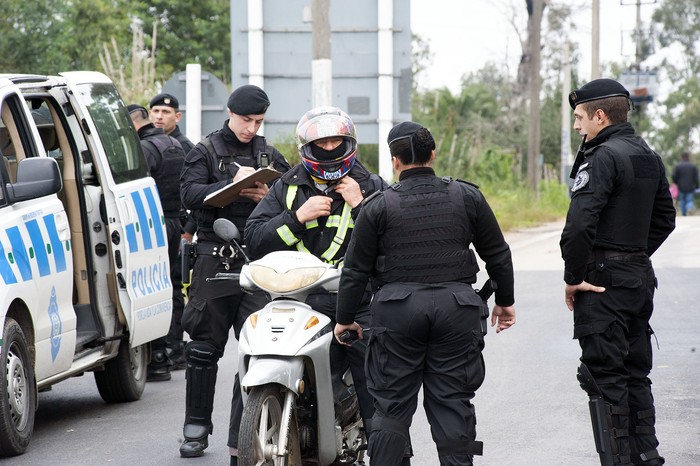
pixel 18 389
pixel 124 377
pixel 260 427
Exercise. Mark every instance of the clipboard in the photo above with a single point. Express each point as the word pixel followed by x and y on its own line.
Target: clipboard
pixel 231 192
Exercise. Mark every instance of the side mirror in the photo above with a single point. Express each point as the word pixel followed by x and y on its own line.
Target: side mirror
pixel 36 177
pixel 226 230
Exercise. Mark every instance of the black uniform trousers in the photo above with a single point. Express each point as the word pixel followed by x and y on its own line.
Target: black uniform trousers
pixel 429 335
pixel 212 309
pixel 615 337
pixel 173 229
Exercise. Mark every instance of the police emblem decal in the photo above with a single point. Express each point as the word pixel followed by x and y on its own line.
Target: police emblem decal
pixel 56 325
pixel 580 181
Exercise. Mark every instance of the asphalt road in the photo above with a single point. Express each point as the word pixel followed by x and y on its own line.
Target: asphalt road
pixel 530 409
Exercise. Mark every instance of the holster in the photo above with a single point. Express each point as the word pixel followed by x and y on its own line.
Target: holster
pixel 187 256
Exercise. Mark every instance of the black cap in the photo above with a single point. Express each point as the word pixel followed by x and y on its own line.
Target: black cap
pixel 597 89
pixel 165 99
pixel 133 107
pixel 248 100
pixel 402 130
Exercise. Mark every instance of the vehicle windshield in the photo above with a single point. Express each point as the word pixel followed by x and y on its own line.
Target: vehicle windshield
pixel 119 139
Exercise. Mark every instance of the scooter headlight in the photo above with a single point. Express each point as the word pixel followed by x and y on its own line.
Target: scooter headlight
pixel 284 282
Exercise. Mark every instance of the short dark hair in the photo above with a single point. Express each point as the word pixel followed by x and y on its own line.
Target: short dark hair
pixel 414 149
pixel 616 108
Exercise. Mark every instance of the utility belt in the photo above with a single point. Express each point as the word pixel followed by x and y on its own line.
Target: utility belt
pixel 224 251
pixel 190 251
pixel 600 256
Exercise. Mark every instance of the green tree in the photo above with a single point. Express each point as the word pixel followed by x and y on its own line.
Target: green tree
pixel 678 24
pixel 188 31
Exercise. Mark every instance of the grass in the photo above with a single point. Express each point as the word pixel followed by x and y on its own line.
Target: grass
pixel 518 207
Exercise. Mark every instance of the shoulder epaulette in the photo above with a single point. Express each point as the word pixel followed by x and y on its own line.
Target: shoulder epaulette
pixel 371 197
pixel 468 182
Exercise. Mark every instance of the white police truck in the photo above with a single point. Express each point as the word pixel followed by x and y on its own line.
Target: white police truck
pixel 84 272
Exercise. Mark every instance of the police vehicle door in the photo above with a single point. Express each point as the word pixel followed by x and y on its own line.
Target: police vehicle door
pixel 134 214
pixel 36 266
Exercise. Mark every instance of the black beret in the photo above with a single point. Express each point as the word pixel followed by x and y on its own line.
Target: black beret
pixel 248 100
pixel 133 107
pixel 597 89
pixel 165 99
pixel 402 130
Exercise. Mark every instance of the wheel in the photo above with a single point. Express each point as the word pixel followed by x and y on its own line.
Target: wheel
pixel 18 401
pixel 124 377
pixel 260 429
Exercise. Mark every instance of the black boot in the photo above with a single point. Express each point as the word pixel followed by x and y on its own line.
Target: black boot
pixel 199 398
pixel 159 368
pixel 196 440
pixel 176 354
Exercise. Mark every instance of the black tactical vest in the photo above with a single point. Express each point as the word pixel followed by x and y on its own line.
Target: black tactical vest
pixel 167 172
pixel 427 234
pixel 625 220
pixel 222 159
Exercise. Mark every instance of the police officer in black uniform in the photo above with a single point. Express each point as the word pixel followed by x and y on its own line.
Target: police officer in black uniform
pixel 165 159
pixel 222 157
pixel 621 211
pixel 165 113
pixel 312 209
pixel 428 324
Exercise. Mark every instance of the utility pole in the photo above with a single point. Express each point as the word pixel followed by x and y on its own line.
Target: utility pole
pixel 595 44
pixel 533 138
pixel 565 156
pixel 321 65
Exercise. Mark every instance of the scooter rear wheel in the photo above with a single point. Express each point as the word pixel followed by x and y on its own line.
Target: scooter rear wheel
pixel 260 428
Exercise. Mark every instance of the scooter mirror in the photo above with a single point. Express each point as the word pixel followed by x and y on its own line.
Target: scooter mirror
pixel 226 230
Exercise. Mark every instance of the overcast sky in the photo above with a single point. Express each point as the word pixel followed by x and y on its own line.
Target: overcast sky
pixel 465 34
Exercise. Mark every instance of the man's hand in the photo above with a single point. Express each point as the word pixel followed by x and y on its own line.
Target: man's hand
pixel 313 208
pixel 189 237
pixel 257 193
pixel 504 316
pixel 571 290
pixel 340 328
pixel 350 190
pixel 243 172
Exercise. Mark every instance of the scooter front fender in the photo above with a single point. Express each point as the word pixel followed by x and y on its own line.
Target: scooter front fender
pixel 270 369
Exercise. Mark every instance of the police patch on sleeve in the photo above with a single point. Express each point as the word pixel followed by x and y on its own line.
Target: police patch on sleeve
pixel 580 181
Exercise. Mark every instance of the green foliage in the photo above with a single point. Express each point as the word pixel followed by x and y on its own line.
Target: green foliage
pixel 50 36
pixel 678 27
pixel 189 31
pixel 517 206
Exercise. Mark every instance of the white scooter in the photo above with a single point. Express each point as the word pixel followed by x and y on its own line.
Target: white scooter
pixel 291 416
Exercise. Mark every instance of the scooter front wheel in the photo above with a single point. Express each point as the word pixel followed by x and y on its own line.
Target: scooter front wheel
pixel 261 424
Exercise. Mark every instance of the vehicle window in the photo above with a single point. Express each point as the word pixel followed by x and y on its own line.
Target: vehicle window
pixel 16 141
pixel 44 123
pixel 119 139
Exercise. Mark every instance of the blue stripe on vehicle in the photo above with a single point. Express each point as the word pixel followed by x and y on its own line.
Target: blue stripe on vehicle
pixel 157 222
pixel 8 276
pixel 143 220
pixel 19 252
pixel 42 258
pixel 131 238
pixel 59 254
